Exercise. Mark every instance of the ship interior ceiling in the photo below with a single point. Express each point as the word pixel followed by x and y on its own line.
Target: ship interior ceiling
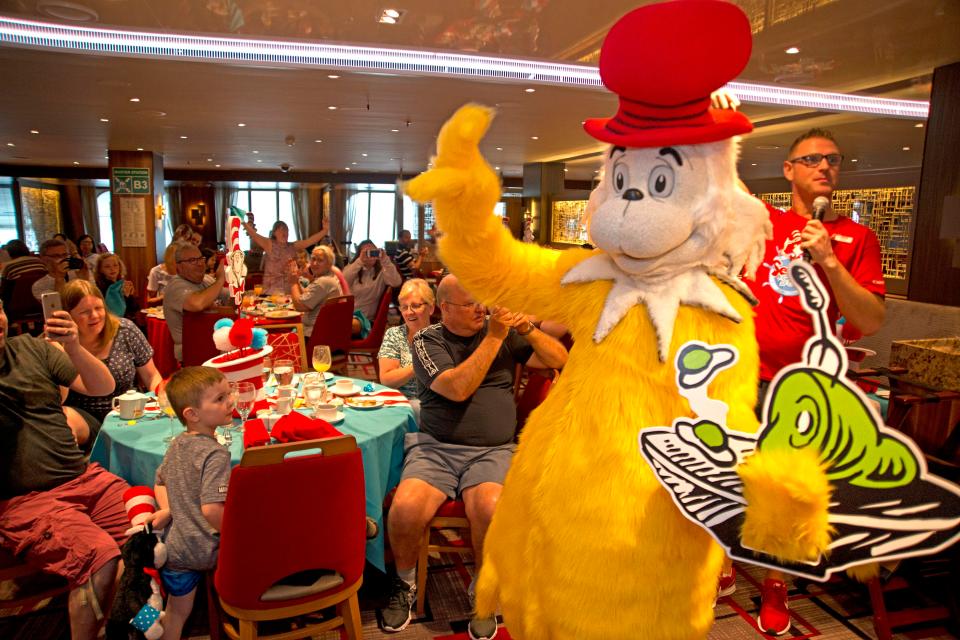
pixel 328 124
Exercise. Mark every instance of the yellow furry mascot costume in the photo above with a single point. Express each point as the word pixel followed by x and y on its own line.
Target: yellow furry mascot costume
pixel 585 543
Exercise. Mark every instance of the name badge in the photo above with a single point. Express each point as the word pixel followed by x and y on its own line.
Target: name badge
pixel 840 238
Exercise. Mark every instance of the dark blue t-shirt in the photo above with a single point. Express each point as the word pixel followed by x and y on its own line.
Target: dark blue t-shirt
pixel 487 418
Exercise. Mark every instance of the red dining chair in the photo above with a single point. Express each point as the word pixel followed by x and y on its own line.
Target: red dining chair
pixel 333 327
pixel 370 346
pixel 197 345
pixel 312 557
pixel 531 389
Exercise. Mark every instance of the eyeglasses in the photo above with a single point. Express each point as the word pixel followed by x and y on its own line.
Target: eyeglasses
pixel 475 305
pixel 197 260
pixel 416 308
pixel 813 160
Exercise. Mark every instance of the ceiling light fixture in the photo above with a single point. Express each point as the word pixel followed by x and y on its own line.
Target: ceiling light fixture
pixel 332 76
pixel 183 137
pixel 217 166
pixel 392 13
pixel 134 99
pixel 259 160
pixel 499 148
pixel 104 119
pixel 255 151
pixel 792 50
pixel 34 131
pixel 139 148
pixel 241 124
pixel 10 144
pixel 534 137
pixel 919 125
pixel 75 162
pixel 36 34
pixel 906 148
pixel 209 159
pixel 354 163
pixel 394 130
pixel 496 168
pixel 347 168
pixel 530 90
pixel 390 16
pixel 364 155
pixel 853 160
pixel 387 20
pixel 332 108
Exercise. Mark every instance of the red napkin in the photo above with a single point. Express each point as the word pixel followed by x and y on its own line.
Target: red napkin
pixel 255 434
pixel 295 426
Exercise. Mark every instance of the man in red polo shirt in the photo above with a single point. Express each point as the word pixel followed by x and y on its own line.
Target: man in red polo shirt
pixel 846 256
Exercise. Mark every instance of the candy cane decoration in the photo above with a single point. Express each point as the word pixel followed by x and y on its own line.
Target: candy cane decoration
pixel 235 269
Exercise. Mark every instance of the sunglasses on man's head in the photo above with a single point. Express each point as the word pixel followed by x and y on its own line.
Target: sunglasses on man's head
pixel 813 160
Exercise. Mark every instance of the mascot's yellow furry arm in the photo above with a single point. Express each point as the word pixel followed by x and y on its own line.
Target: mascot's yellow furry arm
pixel 585 543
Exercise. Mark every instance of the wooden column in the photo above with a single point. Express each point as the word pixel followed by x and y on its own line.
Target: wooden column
pixel 935 258
pixel 541 182
pixel 134 208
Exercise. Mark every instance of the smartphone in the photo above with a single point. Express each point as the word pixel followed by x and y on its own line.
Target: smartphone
pixel 51 302
pixel 76 263
pixel 374 253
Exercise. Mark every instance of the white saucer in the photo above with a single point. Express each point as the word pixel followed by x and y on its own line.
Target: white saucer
pixel 343 394
pixel 337 420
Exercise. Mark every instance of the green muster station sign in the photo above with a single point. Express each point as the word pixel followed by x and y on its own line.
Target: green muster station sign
pixel 131 181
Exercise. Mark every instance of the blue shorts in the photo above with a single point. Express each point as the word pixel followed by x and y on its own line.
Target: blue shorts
pixel 179 583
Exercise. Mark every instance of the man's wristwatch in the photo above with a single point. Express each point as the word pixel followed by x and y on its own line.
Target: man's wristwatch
pixel 527 330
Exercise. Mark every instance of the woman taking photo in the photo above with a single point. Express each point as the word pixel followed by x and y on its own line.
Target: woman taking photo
pixel 116 341
pixel 278 251
pixel 369 275
pixel 396 360
pixel 317 284
pixel 119 294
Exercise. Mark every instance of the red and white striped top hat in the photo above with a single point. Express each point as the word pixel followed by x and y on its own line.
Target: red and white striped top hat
pixel 242 365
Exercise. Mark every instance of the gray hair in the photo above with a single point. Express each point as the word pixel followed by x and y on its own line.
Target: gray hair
pixel 49 244
pixel 181 247
pixel 417 286
pixel 325 250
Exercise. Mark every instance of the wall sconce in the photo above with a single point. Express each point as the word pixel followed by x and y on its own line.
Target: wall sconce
pixel 160 211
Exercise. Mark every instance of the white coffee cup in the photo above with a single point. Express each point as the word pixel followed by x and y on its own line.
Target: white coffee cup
pixel 326 412
pixel 344 385
pixel 284 405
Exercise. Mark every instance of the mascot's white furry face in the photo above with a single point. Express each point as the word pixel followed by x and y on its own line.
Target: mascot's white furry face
pixel 668 218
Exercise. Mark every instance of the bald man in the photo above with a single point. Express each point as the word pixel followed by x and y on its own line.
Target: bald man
pixel 465 366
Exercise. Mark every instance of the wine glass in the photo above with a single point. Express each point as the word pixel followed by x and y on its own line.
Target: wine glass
pixel 246 396
pixel 167 409
pixel 313 388
pixel 283 370
pixel 265 372
pixel 321 358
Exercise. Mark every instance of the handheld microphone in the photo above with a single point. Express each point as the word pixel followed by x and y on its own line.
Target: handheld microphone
pixel 820 204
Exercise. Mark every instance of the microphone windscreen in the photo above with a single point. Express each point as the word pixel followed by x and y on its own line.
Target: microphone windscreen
pixel 820 204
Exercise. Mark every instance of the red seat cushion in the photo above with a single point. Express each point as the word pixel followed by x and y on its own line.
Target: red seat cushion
pixel 452 509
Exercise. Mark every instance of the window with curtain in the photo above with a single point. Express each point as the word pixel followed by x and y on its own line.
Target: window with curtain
pixel 41 214
pixel 374 205
pixel 8 215
pixel 411 221
pixel 268 203
pixel 105 217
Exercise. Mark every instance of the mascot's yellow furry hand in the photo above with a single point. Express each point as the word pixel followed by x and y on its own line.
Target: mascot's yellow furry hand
pixel 787 495
pixel 461 181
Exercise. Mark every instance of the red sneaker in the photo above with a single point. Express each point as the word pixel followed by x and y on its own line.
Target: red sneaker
pixel 727 584
pixel 774 615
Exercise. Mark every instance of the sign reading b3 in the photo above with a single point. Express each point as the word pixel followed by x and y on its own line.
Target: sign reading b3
pixel 130 181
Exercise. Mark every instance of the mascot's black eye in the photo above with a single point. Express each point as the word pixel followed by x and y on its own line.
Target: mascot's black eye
pixel 660 184
pixel 620 178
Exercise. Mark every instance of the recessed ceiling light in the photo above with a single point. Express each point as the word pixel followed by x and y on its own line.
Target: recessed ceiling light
pixel 583 122
pixel 354 163
pixel 566 170
pixel 183 137
pixel 259 160
pixel 393 13
pixel 394 130
pixel 497 168
pixel 499 148
pixel 104 119
pixel 768 147
pixel 241 124
pixel 75 162
pixel 792 50
pixel 393 159
pixel 318 140
pixel 534 137
pixel 347 168
pixel 209 159
pixel 139 148
pixel 530 90
pixel 853 160
pixel 67 11
pixel 332 108
pixel 364 155
pixel 255 151
pixel 10 144
pixel 753 164
pixel 332 76
pixel 134 99
pixel 919 125
pixel 106 157
pixel 217 166
pixel 387 20
pixel 906 148
pixel 34 131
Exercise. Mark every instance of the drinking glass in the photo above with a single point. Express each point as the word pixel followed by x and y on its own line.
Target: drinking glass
pixel 313 390
pixel 245 398
pixel 283 370
pixel 267 369
pixel 257 290
pixel 167 409
pixel 321 358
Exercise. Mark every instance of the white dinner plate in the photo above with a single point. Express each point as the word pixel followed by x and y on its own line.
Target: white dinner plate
pixel 282 313
pixel 363 402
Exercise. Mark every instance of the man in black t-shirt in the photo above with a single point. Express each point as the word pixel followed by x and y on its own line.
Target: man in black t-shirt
pixel 465 366
pixel 407 258
pixel 58 513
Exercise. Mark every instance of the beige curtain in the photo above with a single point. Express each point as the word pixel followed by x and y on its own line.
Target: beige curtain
pixel 301 212
pixel 223 198
pixel 176 208
pixel 88 209
pixel 342 214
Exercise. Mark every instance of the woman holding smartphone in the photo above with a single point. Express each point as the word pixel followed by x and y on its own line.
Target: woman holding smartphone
pixel 369 275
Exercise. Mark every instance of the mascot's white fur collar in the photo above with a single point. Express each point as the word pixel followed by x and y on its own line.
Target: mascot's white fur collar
pixel 667 220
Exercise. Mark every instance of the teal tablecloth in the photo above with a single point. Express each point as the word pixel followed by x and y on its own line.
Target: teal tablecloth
pixel 134 452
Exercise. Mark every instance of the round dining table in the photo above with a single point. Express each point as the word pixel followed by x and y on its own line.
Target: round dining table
pixel 133 449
